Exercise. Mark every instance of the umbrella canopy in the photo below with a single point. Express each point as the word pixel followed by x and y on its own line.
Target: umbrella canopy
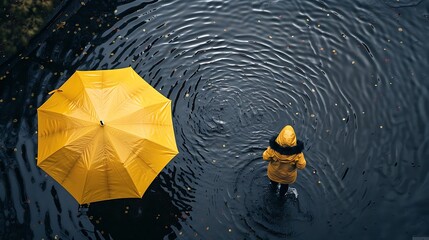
pixel 105 134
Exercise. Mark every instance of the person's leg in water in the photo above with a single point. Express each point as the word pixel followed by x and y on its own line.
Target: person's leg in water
pixel 273 185
pixel 283 189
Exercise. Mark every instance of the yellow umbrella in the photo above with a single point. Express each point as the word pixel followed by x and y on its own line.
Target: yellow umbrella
pixel 105 134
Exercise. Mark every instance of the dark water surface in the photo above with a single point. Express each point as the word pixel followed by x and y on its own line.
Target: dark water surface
pixel 351 76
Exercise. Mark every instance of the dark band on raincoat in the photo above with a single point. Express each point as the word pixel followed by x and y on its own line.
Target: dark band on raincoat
pixel 286 150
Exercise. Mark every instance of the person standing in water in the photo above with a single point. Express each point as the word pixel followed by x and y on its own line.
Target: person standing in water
pixel 285 157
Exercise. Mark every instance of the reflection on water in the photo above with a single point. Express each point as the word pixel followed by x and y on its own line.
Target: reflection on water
pixel 349 76
pixel 151 217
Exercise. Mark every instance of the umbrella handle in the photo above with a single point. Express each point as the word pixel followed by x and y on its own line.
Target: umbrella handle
pixel 54 91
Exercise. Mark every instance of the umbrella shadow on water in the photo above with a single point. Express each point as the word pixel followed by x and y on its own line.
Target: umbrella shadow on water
pixel 150 217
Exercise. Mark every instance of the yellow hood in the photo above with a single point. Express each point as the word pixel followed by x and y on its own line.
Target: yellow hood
pixel 287 137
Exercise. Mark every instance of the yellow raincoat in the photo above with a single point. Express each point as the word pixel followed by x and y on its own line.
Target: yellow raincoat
pixel 282 167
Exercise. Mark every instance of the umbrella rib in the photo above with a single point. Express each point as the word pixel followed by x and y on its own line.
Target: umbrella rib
pixel 108 189
pixel 66 129
pixel 104 141
pixel 61 114
pixel 134 183
pixel 132 134
pixel 132 97
pixel 126 116
pixel 74 164
pixel 72 100
pixel 145 123
pixel 107 176
pixel 153 170
pixel 144 162
pixel 63 130
pixel 63 146
pixel 109 138
pixel 87 95
pixel 84 184
pixel 134 151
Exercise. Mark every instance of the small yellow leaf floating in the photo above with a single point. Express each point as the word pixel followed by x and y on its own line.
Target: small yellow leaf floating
pixel 54 91
pixel 61 25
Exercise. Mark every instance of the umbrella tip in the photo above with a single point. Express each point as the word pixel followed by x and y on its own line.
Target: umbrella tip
pixel 101 123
